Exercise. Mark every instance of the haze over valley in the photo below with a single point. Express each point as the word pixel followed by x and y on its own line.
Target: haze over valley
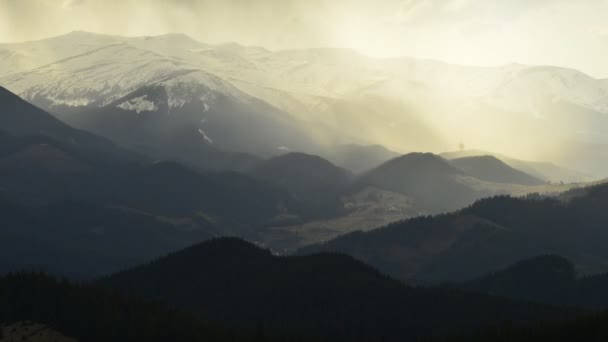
pixel 200 170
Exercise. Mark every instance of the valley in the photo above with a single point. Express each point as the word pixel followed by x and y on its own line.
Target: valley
pixel 162 188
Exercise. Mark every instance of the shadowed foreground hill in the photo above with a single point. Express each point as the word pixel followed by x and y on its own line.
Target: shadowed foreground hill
pixel 545 279
pixel 30 331
pixel 588 328
pixel 88 313
pixel 327 295
pixel 489 235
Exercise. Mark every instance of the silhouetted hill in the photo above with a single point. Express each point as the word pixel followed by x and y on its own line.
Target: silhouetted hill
pixel 327 295
pixel 173 190
pixel 545 279
pixel 489 235
pixel 427 178
pixel 39 171
pixel 82 240
pixel 491 169
pixel 19 118
pixel 310 179
pixel 87 313
pixel 542 170
pixel 84 220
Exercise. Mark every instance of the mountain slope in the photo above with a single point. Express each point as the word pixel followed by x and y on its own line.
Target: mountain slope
pixel 431 181
pixel 330 296
pixel 543 170
pixel 157 104
pixel 339 96
pixel 88 313
pixel 310 179
pixel 489 235
pixel 590 327
pixel 80 240
pixel 19 118
pixel 545 279
pixel 491 169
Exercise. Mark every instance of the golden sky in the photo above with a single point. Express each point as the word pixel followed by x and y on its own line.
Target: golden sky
pixel 569 33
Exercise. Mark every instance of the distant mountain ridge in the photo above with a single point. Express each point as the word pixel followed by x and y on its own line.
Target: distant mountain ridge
pixel 491 169
pixel 335 96
pixel 543 170
pixel 431 180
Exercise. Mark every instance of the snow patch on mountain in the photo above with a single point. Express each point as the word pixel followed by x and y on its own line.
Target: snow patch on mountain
pixel 205 136
pixel 139 104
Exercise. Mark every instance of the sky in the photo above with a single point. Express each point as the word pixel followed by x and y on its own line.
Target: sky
pixel 568 33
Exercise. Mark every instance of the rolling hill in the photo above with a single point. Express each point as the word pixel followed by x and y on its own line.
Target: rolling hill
pixel 310 179
pixel 545 279
pixel 543 170
pixel 328 296
pixel 488 235
pixel 20 118
pixel 36 307
pixel 433 184
pixel 491 169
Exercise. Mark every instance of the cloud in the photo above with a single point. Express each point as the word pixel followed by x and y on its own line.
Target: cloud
pixel 72 3
pixel 411 10
pixel 485 32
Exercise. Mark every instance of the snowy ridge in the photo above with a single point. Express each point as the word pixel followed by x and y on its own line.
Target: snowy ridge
pixel 101 76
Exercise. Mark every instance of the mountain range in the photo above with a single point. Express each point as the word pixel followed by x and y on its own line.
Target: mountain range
pixel 192 192
pixel 285 202
pixel 305 100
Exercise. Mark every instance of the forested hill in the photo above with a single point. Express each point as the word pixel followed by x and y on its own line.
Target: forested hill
pixel 326 295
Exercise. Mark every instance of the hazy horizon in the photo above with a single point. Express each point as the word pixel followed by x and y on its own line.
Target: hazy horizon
pixel 462 32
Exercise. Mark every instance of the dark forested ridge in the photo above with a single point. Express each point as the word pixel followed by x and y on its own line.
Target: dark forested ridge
pixel 588 328
pixel 310 179
pixel 79 218
pixel 327 295
pixel 545 279
pixel 88 313
pixel 83 240
pixel 77 205
pixel 489 235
